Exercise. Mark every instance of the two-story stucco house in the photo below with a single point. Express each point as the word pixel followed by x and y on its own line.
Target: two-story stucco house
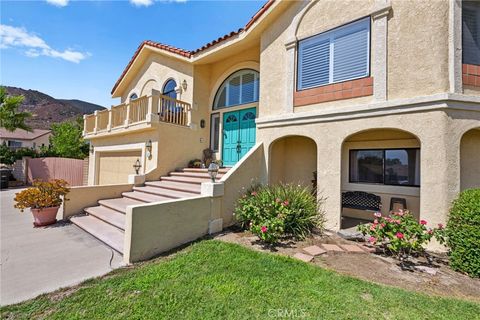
pixel 375 103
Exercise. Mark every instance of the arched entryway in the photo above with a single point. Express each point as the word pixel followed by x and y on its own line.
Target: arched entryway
pixel 293 159
pixel 380 172
pixel 470 159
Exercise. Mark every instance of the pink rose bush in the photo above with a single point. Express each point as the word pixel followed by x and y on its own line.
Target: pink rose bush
pixel 273 212
pixel 400 233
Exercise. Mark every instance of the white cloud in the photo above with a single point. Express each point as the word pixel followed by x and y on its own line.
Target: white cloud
pixel 58 3
pixel 146 3
pixel 141 3
pixel 35 46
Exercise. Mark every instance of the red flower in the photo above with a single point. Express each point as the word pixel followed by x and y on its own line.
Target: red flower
pixel 430 231
pixel 264 229
pixel 372 227
pixel 423 222
pixel 399 235
pixel 285 203
pixel 440 226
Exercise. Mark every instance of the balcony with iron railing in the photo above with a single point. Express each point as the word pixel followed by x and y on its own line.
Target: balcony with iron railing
pixel 137 114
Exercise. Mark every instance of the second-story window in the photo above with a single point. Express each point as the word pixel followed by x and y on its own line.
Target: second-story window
pixel 471 32
pixel 334 56
pixel 169 89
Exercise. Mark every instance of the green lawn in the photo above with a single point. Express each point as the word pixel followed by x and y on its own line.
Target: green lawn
pixel 216 280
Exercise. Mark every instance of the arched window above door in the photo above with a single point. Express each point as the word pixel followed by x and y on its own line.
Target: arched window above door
pixel 169 89
pixel 241 87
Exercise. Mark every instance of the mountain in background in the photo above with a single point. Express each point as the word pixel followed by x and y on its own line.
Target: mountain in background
pixel 47 110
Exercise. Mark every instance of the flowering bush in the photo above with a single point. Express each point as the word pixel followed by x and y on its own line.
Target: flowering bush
pixel 400 233
pixel 42 195
pixel 279 210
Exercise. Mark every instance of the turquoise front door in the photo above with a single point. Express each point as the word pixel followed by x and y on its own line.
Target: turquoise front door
pixel 238 134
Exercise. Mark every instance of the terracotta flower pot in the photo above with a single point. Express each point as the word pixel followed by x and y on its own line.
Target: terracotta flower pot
pixel 45 216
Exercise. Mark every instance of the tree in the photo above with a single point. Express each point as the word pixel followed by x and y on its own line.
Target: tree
pixel 66 140
pixel 10 118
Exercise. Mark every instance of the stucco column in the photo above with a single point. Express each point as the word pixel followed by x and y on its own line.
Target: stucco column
pixel 440 169
pixel 455 46
pixel 329 179
pixel 290 46
pixel 379 63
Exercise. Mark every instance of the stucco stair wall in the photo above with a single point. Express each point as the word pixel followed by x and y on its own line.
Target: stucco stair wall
pixel 106 221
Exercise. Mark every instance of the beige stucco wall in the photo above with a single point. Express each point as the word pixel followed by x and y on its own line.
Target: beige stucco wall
pixel 168 225
pixel 154 73
pixel 470 160
pixel 250 170
pixel 293 160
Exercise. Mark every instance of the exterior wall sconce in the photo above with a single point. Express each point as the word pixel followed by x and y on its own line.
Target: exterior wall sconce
pixel 137 166
pixel 184 85
pixel 91 148
pixel 213 171
pixel 148 147
pixel 202 123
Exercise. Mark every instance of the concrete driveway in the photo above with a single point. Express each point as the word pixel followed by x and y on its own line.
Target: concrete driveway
pixel 40 260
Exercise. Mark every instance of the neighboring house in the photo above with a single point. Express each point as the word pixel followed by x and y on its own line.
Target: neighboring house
pixel 376 96
pixel 24 139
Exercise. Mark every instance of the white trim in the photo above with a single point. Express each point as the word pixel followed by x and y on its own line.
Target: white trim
pixel 379 65
pixel 455 46
pixel 423 103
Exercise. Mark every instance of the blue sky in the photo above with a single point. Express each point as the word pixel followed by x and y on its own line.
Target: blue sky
pixel 78 49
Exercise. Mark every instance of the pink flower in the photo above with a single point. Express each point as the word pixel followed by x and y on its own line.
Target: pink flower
pixel 264 229
pixel 383 225
pixel 399 235
pixel 286 203
pixel 430 231
pixel 372 227
pixel 400 213
pixel 372 239
pixel 423 222
pixel 377 214
pixel 440 226
pixel 375 221
pixel 254 193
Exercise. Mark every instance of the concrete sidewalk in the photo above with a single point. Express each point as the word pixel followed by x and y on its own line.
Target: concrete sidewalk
pixel 39 260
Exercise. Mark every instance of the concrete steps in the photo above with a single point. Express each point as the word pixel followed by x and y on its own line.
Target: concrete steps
pixel 175 186
pixel 106 221
pixel 110 235
pixel 107 215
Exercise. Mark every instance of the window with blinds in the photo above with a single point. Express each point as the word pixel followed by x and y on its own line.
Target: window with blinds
pixel 471 32
pixel 337 55
pixel 239 88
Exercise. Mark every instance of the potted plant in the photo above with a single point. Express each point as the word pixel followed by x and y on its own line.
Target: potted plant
pixel 43 199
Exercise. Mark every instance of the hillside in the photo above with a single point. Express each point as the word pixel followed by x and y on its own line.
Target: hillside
pixel 47 110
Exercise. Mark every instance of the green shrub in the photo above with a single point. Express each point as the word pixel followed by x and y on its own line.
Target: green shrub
pixel 463 233
pixel 280 210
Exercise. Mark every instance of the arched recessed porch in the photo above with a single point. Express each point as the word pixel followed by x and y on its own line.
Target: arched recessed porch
pixel 380 171
pixel 293 159
pixel 470 159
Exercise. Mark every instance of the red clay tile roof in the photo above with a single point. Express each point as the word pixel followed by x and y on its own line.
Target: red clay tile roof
pixel 21 134
pixel 188 53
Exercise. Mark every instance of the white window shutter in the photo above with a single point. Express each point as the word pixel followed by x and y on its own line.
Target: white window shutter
pixel 314 64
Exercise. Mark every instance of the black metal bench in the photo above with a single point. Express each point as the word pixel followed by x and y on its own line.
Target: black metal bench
pixel 361 200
